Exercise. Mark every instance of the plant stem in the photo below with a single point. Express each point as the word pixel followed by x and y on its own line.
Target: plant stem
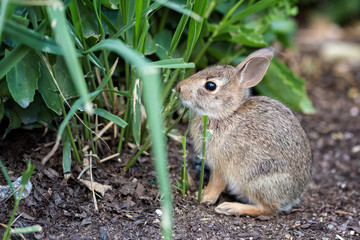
pixel 204 138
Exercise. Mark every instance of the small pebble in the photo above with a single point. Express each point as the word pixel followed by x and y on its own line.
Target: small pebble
pixel 330 226
pixel 158 212
pixel 355 149
pixel 354 111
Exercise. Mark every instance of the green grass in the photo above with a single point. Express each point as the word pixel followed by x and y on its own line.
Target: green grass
pixel 78 58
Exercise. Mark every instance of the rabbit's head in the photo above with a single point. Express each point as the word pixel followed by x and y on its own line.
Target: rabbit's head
pixel 218 91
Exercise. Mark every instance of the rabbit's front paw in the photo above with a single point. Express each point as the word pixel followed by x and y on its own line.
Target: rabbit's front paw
pixel 209 199
pixel 210 195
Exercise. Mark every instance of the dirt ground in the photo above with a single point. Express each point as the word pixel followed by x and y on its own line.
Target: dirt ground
pixel 330 208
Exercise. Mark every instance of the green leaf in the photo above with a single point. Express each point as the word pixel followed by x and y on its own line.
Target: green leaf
pixel 48 89
pixel 179 29
pixel 31 38
pixel 257 7
pixel 13 58
pixel 111 117
pixel 247 37
pixel 63 38
pixel 26 175
pixel 66 153
pixel 22 80
pixel 111 4
pixel 15 121
pixel 283 26
pixel 195 27
pixel 172 63
pixel 282 84
pixel 162 43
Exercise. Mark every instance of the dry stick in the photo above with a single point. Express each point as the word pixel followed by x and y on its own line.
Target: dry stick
pixel 91 181
pixel 99 135
pixel 16 190
pixel 109 157
pixel 56 146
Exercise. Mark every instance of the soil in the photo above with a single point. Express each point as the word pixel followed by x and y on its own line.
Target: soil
pixel 330 208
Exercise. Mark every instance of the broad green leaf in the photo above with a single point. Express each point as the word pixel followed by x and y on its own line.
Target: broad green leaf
pixel 284 26
pixel 22 80
pixel 13 58
pixel 34 113
pixel 150 46
pixel 162 43
pixel 14 119
pixel 88 21
pixel 172 63
pixel 109 116
pixel 48 89
pixel 281 83
pixel 247 37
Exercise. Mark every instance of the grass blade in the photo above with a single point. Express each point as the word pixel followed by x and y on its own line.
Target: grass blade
pixel 195 27
pixel 32 38
pixel 13 58
pixel 111 117
pixel 151 82
pixel 172 63
pixel 62 36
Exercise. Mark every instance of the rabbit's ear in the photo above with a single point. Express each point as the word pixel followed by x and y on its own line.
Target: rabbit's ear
pixel 252 70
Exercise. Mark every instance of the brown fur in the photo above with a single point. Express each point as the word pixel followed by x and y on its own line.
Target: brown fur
pixel 258 148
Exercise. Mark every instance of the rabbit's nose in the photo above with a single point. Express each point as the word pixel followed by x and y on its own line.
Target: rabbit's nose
pixel 178 88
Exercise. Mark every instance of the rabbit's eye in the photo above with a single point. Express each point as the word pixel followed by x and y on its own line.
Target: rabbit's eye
pixel 210 86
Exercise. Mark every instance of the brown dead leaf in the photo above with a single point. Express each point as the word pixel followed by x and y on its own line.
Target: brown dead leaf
pixel 98 187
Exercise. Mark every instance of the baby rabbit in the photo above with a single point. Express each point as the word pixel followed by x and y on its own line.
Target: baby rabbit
pixel 258 148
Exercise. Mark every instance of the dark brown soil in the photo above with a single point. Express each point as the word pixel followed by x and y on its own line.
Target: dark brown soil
pixel 329 209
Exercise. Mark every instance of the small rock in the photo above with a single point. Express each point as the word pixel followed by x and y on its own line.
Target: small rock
pixel 330 226
pixel 158 212
pixel 304 226
pixel 354 111
pixel 355 149
pixel 103 234
pixel 288 236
